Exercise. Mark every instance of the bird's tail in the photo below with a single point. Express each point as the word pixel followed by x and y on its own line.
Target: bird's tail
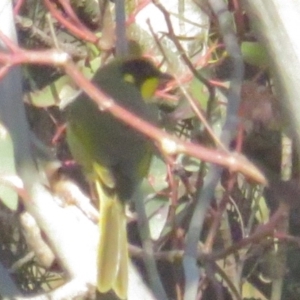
pixel 112 249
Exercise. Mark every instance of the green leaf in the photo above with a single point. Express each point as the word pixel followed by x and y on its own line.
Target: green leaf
pixel 157 176
pixel 199 92
pixel 61 89
pixel 157 210
pixel 8 196
pixel 255 54
pixel 156 202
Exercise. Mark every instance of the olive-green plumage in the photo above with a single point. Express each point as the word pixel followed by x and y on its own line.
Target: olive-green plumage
pixel 114 156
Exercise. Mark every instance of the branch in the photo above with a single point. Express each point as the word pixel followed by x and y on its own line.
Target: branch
pixel 275 24
pixel 212 178
pixel 76 28
pixel 169 144
pixel 65 230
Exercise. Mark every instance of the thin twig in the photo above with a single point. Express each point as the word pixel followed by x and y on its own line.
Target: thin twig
pixel 172 36
pixel 191 271
pixel 148 252
pixel 120 31
pixel 81 32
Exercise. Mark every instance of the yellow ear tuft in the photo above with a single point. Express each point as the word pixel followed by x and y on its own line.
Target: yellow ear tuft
pixel 149 87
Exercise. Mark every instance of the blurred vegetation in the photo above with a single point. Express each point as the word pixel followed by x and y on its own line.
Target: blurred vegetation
pixel 169 191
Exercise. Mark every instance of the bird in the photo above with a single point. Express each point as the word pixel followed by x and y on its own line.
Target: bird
pixel 114 156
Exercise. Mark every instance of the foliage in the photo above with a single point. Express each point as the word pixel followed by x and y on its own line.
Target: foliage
pixel 239 250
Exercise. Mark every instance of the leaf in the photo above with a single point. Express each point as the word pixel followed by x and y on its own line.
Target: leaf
pixel 61 89
pixel 255 54
pixel 262 210
pixel 156 180
pixel 7 194
pixel 157 210
pixel 249 291
pixel 199 91
pixel 156 203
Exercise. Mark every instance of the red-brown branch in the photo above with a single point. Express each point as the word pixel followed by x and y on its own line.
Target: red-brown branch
pixel 169 144
pixel 79 31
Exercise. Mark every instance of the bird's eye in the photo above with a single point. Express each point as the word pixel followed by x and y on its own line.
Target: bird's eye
pixel 129 78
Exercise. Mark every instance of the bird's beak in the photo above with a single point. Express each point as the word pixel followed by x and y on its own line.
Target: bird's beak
pixel 164 79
